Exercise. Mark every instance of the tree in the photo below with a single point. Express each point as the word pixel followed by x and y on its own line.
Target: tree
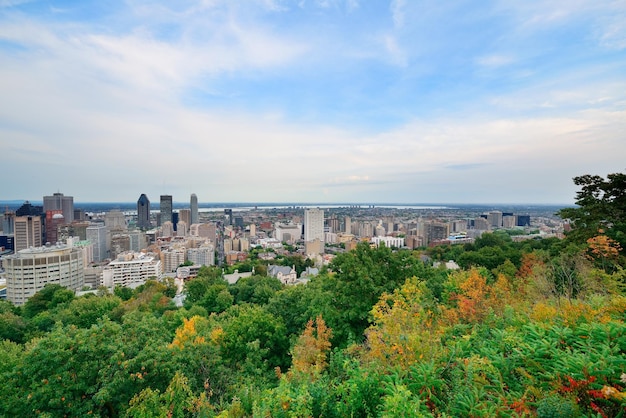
pixel 601 208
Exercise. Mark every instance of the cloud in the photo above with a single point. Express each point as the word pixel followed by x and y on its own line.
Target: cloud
pixel 258 103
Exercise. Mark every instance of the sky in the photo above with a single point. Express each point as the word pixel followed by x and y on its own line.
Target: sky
pixel 404 101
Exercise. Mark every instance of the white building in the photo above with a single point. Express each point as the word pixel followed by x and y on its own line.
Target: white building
pixel 29 270
pixel 172 258
pixel 388 241
pixel 115 220
pixel 131 270
pixel 314 225
pixel 203 255
pixel 286 275
pixel 289 233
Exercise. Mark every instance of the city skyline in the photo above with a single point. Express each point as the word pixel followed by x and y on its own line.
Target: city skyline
pixel 311 101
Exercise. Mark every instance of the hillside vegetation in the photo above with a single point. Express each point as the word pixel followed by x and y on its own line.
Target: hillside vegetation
pixel 522 330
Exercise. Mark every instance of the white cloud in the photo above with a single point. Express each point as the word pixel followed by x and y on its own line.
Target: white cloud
pixel 397 8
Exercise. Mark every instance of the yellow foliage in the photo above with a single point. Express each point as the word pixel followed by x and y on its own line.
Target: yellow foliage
pixel 187 333
pixel 403 331
pixel 216 335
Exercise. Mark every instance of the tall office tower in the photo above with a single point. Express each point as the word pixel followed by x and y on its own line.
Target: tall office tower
pixel 166 209
pixel 59 202
pixel 175 220
pixel 27 232
pixel 143 212
pixel 185 216
pixel 194 209
pixel 348 225
pixel 314 225
pixel 54 219
pixel 29 270
pixel 8 223
pixel 97 234
pixel 115 220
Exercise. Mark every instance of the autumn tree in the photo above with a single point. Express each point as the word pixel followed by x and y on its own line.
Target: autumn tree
pixel 601 208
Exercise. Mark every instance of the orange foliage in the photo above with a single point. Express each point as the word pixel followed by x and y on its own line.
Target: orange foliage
pixel 529 262
pixel 472 304
pixel 310 351
pixel 603 247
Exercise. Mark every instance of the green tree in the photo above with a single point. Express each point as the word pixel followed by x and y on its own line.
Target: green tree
pixel 601 208
pixel 47 298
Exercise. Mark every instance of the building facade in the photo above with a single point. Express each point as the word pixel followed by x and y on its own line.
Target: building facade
pixel 203 255
pixel 143 212
pixel 97 234
pixel 29 270
pixel 27 232
pixel 165 209
pixel 314 225
pixel 131 270
pixel 60 202
pixel 194 209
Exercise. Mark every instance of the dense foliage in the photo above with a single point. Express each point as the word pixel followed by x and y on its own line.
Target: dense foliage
pixel 535 328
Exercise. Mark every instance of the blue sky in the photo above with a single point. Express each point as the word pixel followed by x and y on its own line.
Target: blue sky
pixel 311 101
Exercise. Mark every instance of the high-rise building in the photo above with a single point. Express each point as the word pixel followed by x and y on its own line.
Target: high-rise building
pixel 185 216
pixel 143 212
pixel 435 231
pixel 172 258
pixel 115 220
pixel 60 202
pixel 314 225
pixel 165 209
pixel 8 223
pixel 29 270
pixel 228 213
pixel 27 232
pixel 29 210
pixel 54 219
pixel 97 234
pixel 194 209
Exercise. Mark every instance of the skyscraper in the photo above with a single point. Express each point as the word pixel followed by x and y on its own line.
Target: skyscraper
pixel 314 225
pixel 59 202
pixel 166 208
pixel 185 216
pixel 97 234
pixel 27 232
pixel 54 218
pixel 194 209
pixel 143 212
